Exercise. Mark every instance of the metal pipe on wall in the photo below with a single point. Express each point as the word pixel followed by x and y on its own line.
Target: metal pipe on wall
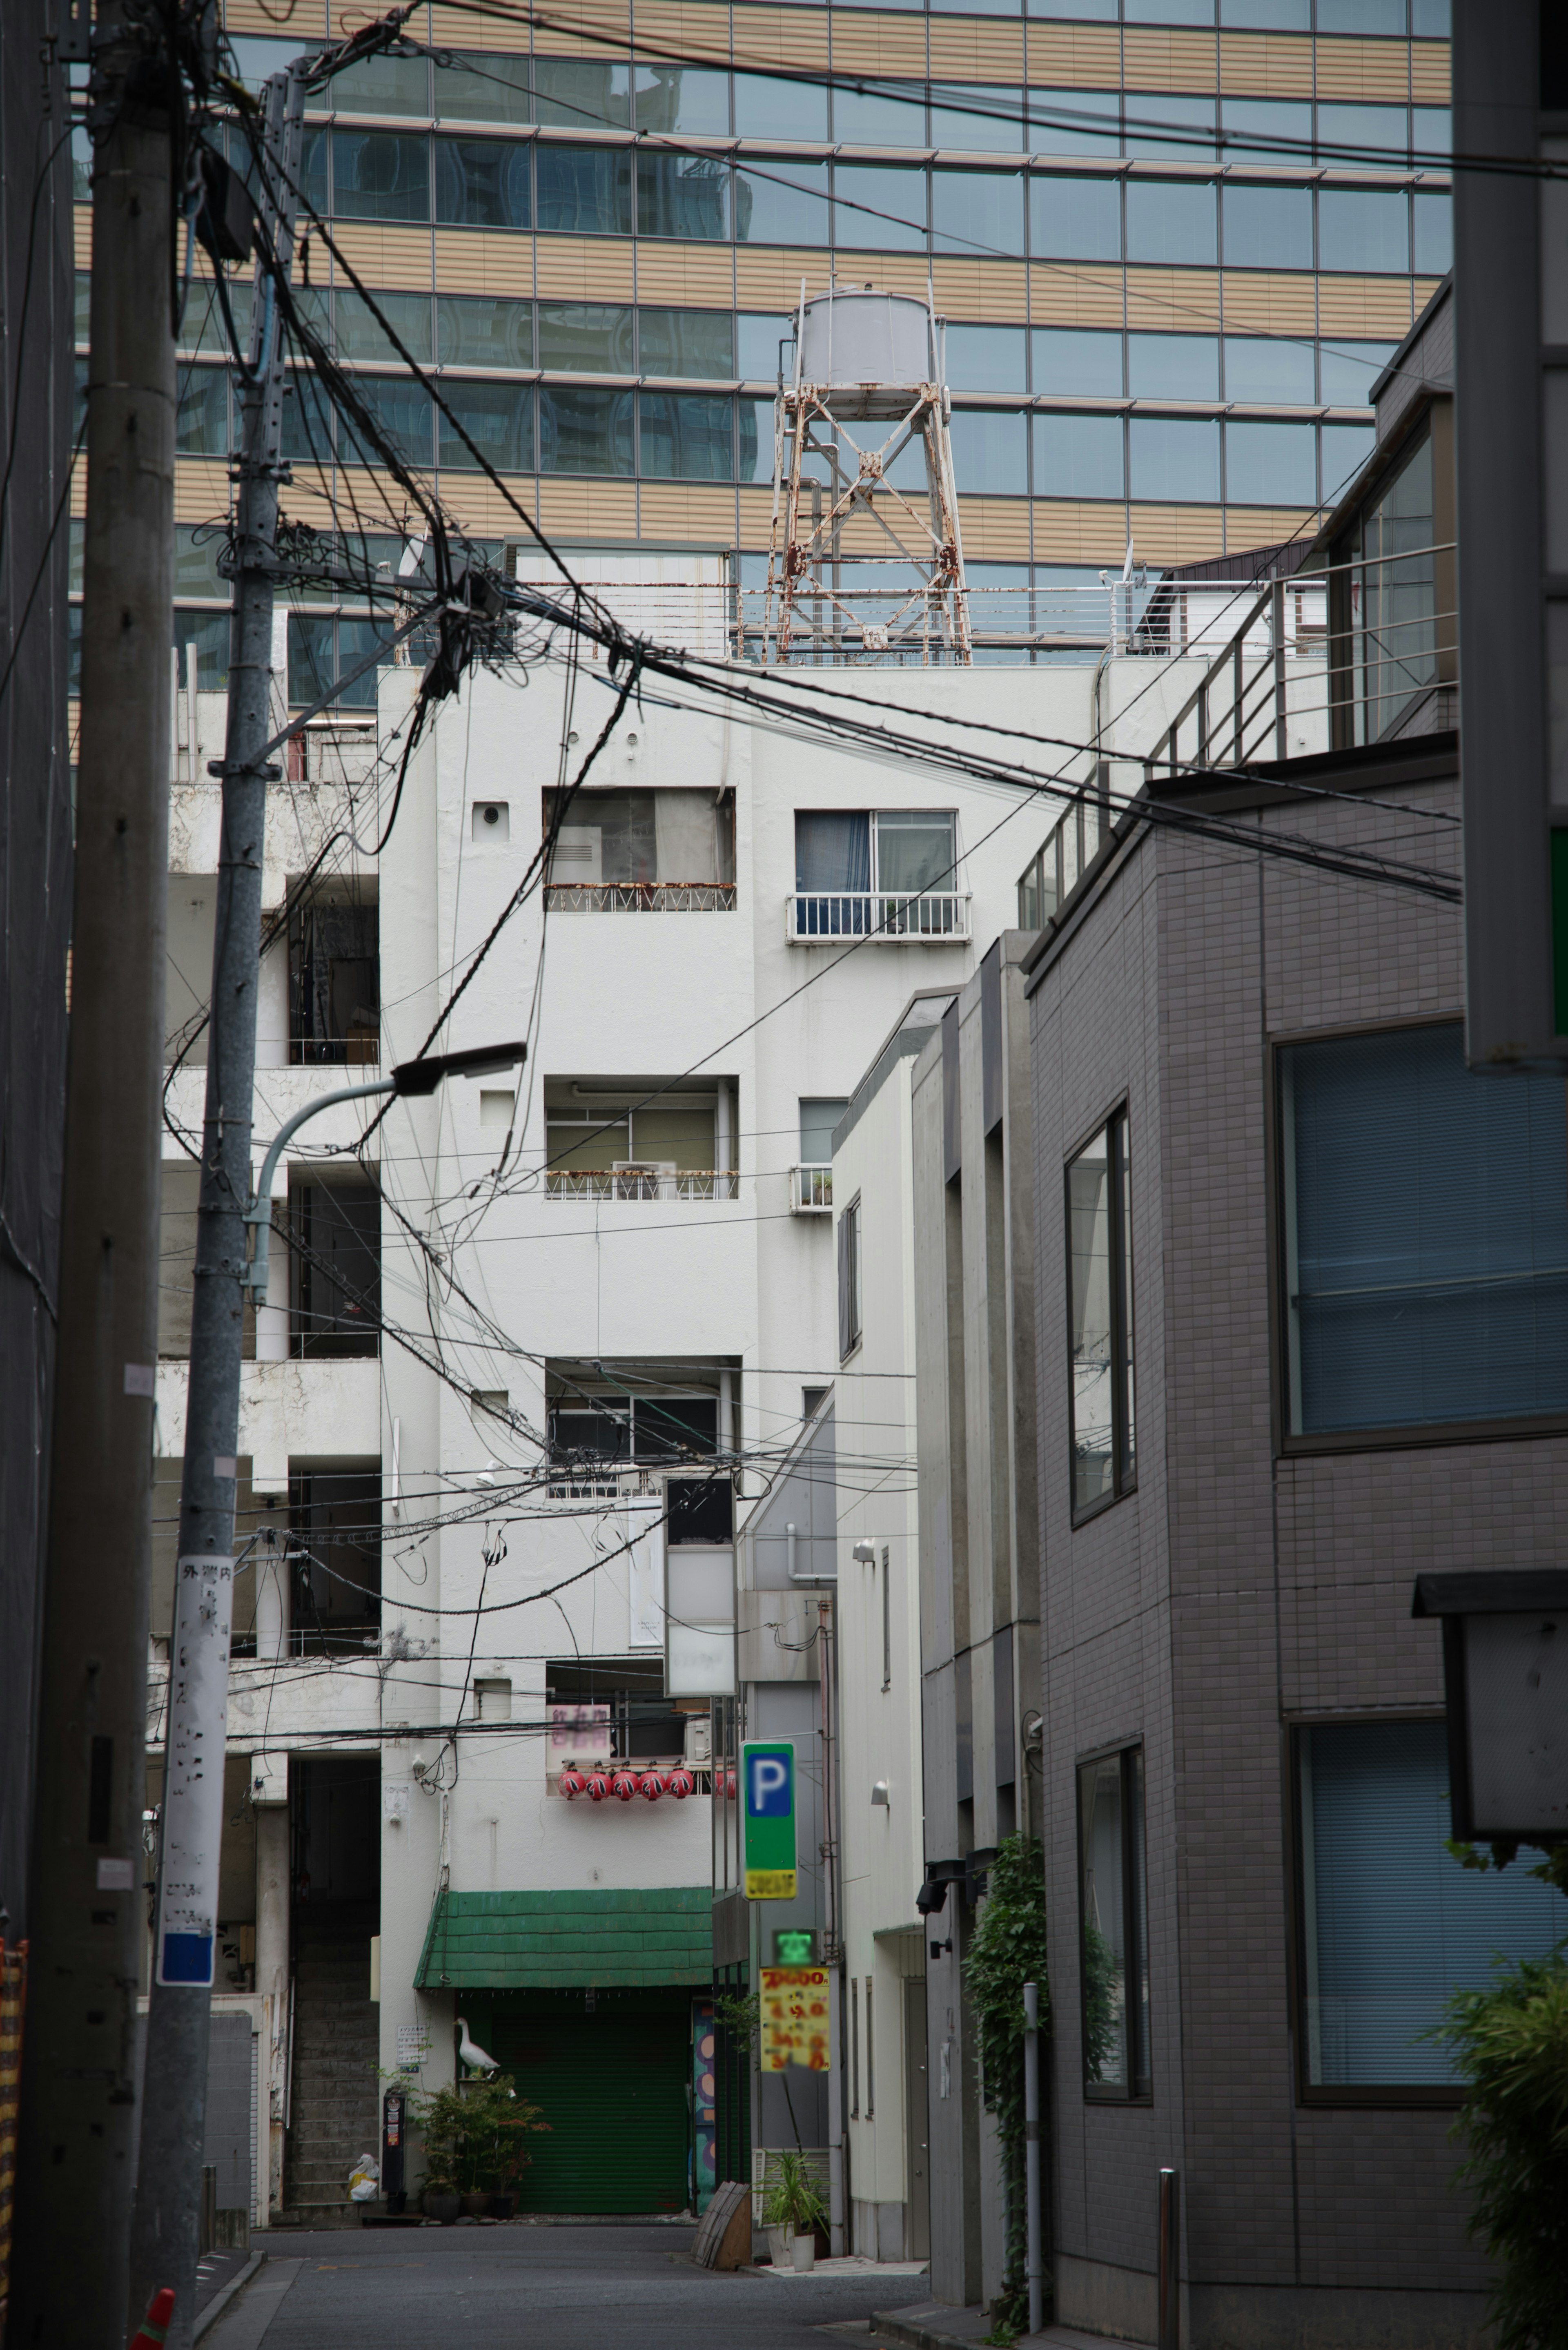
pixel 1169 2336
pixel 1031 2153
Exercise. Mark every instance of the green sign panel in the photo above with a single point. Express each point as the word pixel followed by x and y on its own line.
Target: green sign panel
pixel 767 1810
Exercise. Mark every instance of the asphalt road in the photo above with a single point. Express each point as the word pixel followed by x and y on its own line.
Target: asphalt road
pixel 579 2288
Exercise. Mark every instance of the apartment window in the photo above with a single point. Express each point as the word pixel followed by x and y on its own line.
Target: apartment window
pixel 844 859
pixel 335 1267
pixel 590 1422
pixel 1426 1235
pixel 855 2048
pixel 1079 456
pixel 586 190
pixel 1113 1914
pixel 850 1280
pixel 1099 1229
pixel 335 1560
pixel 644 1139
pixel 813 1175
pixel 625 852
pixel 1390 1924
pixel 380 175
pixel 334 983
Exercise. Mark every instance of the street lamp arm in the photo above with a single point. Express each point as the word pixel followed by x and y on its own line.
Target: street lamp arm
pixel 259 1214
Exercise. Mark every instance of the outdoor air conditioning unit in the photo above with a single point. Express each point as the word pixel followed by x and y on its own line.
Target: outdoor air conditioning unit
pixel 699 1739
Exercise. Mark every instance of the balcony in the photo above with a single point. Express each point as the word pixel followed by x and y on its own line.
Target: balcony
pixel 934 918
pixel 811 1191
pixel 644 1182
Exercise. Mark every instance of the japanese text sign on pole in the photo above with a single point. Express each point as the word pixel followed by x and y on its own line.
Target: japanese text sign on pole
pixel 767 1782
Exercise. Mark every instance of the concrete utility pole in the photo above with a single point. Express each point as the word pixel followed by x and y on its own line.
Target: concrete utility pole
pixel 76 2140
pixel 169 2178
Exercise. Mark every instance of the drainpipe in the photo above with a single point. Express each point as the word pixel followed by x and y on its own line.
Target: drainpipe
pixel 723 1151
pixel 726 1415
pixel 832 1954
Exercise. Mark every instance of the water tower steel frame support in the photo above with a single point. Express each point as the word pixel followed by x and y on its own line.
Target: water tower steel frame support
pixel 813 613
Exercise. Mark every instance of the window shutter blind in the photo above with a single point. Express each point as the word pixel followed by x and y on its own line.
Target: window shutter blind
pixel 1394 1922
pixel 1430 1262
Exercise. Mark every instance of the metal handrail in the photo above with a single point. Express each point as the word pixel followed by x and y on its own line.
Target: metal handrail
pixel 887 914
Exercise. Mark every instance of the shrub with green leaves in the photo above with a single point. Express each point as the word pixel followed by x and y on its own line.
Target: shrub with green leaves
pixel 1006 1950
pixel 474 2135
pixel 1510 2043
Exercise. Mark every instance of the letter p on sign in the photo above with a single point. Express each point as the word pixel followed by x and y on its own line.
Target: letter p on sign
pixel 767 1779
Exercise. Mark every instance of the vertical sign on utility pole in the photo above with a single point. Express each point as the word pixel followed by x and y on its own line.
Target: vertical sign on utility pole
pixel 767 1783
pixel 1510 423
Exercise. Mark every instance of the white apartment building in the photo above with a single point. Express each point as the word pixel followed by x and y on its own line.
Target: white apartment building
pixel 526 1365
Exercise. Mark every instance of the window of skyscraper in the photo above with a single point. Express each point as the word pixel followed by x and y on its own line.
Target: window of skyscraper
pixel 1171 219
pixel 1075 220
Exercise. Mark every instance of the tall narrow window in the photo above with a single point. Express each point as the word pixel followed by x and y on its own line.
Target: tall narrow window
pixel 850 1280
pixel 853 2047
pixel 1100 1345
pixel 870 2057
pixel 1112 1912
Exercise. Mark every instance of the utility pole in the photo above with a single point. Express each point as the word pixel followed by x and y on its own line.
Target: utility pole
pixel 76 2136
pixel 169 2178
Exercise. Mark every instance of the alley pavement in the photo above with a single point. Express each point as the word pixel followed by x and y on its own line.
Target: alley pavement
pixel 534 2288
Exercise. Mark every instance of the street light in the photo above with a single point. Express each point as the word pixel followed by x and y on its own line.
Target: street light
pixel 410 1078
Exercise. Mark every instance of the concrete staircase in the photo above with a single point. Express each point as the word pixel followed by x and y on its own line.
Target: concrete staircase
pixel 336 2114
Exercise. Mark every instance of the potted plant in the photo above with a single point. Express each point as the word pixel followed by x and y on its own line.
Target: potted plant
pixel 474 2144
pixel 793 2204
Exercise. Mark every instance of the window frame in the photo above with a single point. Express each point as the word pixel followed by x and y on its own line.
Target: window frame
pixel 1403 2097
pixel 1393 1436
pixel 850 1265
pixel 1137 2090
pixel 1124 1424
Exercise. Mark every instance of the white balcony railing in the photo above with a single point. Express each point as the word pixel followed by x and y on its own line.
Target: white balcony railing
pixel 811 1191
pixel 936 916
pixel 642 1183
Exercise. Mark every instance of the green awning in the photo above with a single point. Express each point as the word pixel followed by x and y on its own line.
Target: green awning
pixel 560 1941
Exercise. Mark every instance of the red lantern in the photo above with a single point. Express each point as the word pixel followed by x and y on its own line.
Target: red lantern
pixel 623 1785
pixel 680 1785
pixel 571 1783
pixel 651 1785
pixel 599 1786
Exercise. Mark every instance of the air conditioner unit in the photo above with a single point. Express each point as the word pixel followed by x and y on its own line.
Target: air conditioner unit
pixel 698 1738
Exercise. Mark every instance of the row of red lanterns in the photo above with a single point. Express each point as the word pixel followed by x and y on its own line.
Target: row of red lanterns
pixel 598 1786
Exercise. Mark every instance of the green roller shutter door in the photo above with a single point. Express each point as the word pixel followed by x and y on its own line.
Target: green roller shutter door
pixel 613 2087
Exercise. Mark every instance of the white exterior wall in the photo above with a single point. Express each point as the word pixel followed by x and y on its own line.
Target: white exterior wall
pixel 648 995
pixel 879 1659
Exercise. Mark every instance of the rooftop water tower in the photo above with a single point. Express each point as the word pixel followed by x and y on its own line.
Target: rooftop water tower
pixel 861 566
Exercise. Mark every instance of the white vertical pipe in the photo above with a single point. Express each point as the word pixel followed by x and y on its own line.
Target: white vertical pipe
pixel 722 1150
pixel 726 1414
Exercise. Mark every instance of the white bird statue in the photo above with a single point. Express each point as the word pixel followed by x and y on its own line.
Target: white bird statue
pixel 472 2057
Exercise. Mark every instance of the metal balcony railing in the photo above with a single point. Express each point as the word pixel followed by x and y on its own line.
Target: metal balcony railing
pixel 640 897
pixel 642 1183
pixel 811 1191
pixel 939 916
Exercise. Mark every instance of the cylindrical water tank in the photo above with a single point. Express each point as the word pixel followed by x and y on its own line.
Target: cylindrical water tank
pixel 867 337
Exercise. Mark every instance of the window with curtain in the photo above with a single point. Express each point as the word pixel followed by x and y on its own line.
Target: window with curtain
pixel 1099 1285
pixel 843 855
pixel 1113 1922
pixel 1426 1235
pixel 1391 1923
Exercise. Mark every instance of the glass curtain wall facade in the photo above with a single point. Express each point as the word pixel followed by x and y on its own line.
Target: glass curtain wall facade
pixel 1174 241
